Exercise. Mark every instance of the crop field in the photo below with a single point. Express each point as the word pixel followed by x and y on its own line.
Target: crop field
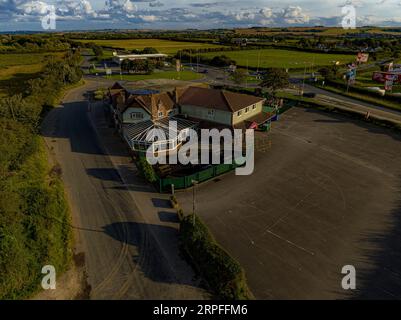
pixel 17 68
pixel 163 46
pixel 274 58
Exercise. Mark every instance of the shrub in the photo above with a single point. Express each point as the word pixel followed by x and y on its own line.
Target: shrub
pixel 146 170
pixel 174 202
pixel 223 274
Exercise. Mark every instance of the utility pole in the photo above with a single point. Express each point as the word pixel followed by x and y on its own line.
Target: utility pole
pixel 194 183
pixel 303 82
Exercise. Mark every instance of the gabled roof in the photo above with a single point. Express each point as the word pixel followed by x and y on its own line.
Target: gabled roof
pixel 150 102
pixel 217 99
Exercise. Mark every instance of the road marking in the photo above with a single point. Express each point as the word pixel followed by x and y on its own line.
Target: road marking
pixel 290 242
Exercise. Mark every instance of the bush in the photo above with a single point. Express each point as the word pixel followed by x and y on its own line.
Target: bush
pixel 174 202
pixel 223 274
pixel 354 89
pixel 146 170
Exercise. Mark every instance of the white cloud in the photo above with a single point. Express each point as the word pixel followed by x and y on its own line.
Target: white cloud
pixel 201 13
pixel 266 12
pixel 149 18
pixel 294 15
pixel 34 8
pixel 129 6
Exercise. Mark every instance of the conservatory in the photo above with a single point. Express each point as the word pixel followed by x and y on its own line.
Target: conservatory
pixel 164 135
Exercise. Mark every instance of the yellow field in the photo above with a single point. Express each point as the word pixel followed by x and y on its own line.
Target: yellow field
pixel 163 46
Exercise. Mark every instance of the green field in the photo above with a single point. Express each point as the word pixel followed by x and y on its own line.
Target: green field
pixel 273 58
pixel 173 75
pixel 163 46
pixel 15 69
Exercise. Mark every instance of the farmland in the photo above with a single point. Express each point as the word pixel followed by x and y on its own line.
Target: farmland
pixel 273 58
pixel 17 68
pixel 163 46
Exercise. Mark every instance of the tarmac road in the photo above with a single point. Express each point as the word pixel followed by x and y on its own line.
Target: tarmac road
pixel 122 253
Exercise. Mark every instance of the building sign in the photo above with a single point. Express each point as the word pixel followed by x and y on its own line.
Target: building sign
pixel 350 75
pixel 382 77
pixel 388 86
pixel 362 57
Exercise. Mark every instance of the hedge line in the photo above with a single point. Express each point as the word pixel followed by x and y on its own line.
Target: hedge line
pixel 223 274
pixel 341 85
pixel 350 113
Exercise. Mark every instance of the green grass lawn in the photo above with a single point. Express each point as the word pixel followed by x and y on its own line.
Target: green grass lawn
pixel 274 58
pixel 163 46
pixel 174 75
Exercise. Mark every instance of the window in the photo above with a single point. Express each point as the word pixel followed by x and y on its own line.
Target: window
pixel 160 114
pixel 254 107
pixel 210 113
pixel 246 109
pixel 136 115
pixel 239 113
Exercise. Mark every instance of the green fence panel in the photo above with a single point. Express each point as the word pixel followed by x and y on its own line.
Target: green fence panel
pixel 223 168
pixel 268 109
pixel 206 174
pixel 186 182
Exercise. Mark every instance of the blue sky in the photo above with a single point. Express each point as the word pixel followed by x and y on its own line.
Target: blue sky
pixel 183 14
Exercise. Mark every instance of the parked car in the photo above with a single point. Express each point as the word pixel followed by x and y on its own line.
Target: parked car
pixel 309 95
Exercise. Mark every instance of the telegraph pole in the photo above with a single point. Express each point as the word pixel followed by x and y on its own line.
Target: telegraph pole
pixel 194 183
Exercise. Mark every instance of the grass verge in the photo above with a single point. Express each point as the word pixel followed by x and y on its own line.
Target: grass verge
pixel 34 227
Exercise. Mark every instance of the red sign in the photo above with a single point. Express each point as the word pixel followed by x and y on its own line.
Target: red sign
pixel 382 77
pixel 253 125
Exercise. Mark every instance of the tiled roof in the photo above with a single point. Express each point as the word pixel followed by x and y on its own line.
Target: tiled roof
pixel 217 99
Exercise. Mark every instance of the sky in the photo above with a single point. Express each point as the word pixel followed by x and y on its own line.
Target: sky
pixel 16 15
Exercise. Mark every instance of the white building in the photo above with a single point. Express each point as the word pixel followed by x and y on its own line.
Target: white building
pixel 120 58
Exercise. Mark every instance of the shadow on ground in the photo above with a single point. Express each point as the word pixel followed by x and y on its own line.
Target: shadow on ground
pixel 383 253
pixel 370 127
pixel 70 121
pixel 150 258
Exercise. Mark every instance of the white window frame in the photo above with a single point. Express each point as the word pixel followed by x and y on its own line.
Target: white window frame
pixel 160 114
pixel 138 115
